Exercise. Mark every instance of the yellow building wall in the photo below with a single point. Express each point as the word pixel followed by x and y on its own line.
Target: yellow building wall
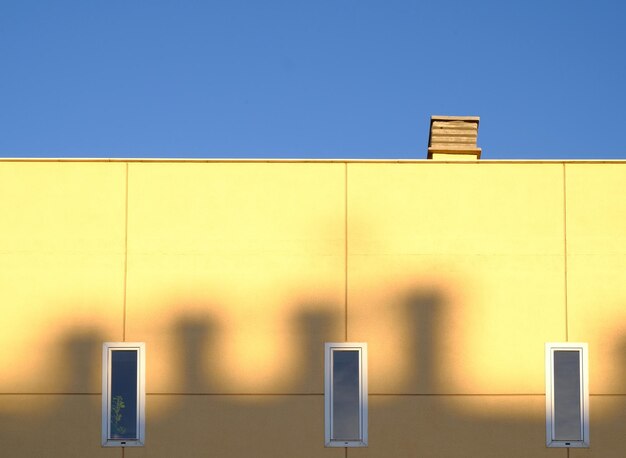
pixel 61 272
pixel 596 270
pixel 236 273
pixel 458 270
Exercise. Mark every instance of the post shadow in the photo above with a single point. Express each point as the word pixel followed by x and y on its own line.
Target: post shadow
pixel 194 340
pixel 316 324
pixel 424 310
pixel 61 420
pixel 207 409
pixel 431 406
pixel 81 360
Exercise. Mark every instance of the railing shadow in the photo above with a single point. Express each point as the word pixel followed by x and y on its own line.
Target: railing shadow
pixel 64 421
pixel 202 419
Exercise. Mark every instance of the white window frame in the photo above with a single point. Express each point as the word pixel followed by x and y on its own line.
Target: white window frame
pixel 582 348
pixel 107 349
pixel 328 393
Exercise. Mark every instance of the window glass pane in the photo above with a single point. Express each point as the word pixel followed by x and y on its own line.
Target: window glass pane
pixel 346 424
pixel 567 395
pixel 123 394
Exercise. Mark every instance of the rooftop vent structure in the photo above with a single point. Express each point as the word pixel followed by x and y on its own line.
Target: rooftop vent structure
pixel 453 138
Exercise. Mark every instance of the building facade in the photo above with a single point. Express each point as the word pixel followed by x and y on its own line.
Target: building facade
pixel 235 274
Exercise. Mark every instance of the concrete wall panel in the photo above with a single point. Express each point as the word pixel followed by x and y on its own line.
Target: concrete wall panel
pixel 463 324
pixel 61 272
pixel 434 208
pixel 65 426
pixel 457 426
pixel 456 274
pixel 596 268
pixel 607 420
pixel 235 426
pixel 236 274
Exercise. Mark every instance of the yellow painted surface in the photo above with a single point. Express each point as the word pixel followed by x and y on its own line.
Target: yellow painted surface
pixel 481 209
pixel 457 426
pixel 443 324
pixel 607 420
pixel 61 273
pixel 52 426
pixel 236 274
pixel 596 248
pixel 456 274
pixel 596 208
pixel 237 426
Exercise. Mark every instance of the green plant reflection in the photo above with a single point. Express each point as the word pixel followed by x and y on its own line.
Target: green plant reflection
pixel 116 418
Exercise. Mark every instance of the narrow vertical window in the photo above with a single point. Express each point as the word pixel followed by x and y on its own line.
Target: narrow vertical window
pixel 567 395
pixel 345 394
pixel 123 394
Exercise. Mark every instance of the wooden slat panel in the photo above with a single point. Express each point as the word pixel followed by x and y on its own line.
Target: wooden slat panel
pixel 455 125
pixel 463 132
pixel 447 140
pixel 455 118
pixel 443 137
pixel 453 146
pixel 445 133
pixel 454 136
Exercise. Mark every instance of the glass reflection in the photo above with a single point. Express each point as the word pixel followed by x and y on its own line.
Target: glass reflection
pixel 123 394
pixel 345 423
pixel 567 395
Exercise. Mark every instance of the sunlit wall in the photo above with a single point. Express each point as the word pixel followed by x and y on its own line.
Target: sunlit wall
pixel 236 273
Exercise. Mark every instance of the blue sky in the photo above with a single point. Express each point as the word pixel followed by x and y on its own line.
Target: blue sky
pixel 310 79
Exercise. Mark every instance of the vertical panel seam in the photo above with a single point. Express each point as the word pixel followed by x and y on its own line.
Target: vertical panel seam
pixel 565 253
pixel 125 255
pixel 345 235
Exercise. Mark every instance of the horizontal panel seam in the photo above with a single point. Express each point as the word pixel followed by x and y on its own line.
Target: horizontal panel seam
pixel 310 394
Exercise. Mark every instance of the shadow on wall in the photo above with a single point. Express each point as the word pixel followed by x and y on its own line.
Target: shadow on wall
pixel 204 422
pixel 194 339
pixel 58 424
pixel 424 310
pixel 79 349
